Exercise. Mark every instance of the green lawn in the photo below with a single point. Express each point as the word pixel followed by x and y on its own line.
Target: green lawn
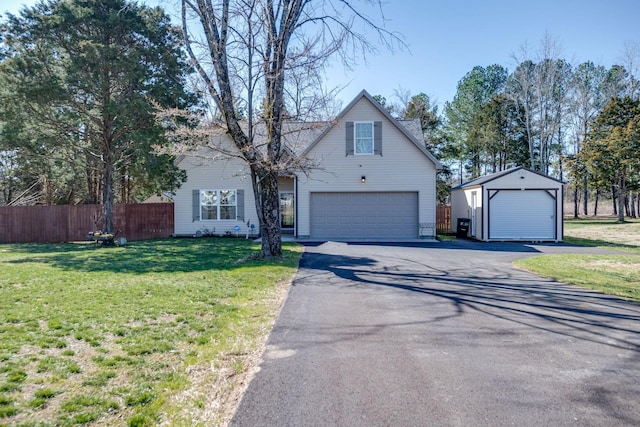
pixel 615 274
pixel 156 331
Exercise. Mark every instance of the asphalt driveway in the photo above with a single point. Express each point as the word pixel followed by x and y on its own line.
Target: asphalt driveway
pixel 446 334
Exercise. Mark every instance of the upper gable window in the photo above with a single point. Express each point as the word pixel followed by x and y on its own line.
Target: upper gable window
pixel 363 139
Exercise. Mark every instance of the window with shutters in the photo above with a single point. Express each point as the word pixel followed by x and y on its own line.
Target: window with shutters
pixel 218 205
pixel 363 138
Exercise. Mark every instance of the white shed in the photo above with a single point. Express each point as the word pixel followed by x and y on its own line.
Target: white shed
pixel 516 204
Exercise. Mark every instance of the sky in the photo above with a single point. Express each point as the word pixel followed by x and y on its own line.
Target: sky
pixel 447 38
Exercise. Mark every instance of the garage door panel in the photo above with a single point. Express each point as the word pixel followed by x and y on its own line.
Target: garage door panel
pixel 522 215
pixel 364 215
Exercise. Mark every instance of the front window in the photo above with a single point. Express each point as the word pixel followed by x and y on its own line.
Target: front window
pixel 363 138
pixel 228 204
pixel 208 204
pixel 218 204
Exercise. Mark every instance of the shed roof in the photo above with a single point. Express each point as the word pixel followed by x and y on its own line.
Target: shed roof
pixel 476 182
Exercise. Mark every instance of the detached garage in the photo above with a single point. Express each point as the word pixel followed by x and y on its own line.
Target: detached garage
pixel 516 204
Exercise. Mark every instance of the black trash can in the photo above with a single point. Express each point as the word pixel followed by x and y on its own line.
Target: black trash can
pixel 463 228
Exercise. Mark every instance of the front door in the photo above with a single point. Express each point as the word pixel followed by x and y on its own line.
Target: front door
pixel 287 210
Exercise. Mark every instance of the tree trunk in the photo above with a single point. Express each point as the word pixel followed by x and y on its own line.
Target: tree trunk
pixel 575 203
pixel 632 205
pixel 92 191
pixel 595 205
pixel 627 211
pixel 613 199
pixel 585 196
pixel 107 195
pixel 267 199
pixel 621 198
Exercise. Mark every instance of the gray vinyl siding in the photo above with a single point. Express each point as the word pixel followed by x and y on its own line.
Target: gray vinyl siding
pixel 229 174
pixel 401 168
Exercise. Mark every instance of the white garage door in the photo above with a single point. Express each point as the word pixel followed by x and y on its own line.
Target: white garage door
pixel 522 215
pixel 364 215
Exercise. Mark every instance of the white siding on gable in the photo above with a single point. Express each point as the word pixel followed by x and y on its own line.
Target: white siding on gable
pixel 521 179
pixel 203 174
pixel 402 167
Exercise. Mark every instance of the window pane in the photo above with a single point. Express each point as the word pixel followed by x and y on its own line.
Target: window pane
pixel 364 138
pixel 364 130
pixel 364 147
pixel 208 198
pixel 227 197
pixel 227 212
pixel 208 212
pixel 208 204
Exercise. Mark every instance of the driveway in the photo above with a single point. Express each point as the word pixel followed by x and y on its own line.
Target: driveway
pixel 444 334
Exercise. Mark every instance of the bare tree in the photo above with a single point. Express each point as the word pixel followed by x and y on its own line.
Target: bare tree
pixel 252 54
pixel 587 100
pixel 539 85
pixel 631 61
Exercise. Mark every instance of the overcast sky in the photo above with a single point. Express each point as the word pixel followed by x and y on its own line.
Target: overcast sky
pixel 447 38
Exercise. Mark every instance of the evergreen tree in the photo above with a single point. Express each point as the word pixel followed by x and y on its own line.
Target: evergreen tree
pixel 92 74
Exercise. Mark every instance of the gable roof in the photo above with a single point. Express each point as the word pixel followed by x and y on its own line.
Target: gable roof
pixel 408 134
pixel 488 178
pixel 300 137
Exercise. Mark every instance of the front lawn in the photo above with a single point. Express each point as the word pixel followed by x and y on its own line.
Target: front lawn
pixel 161 331
pixel 615 274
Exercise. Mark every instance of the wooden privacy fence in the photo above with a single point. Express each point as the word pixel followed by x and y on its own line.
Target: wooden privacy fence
pixel 66 223
pixel 443 218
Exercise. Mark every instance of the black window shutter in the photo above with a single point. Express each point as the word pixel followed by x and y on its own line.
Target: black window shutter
pixel 195 203
pixel 240 205
pixel 349 138
pixel 377 138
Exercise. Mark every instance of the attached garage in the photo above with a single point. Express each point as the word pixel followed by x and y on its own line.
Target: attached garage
pixel 516 204
pixel 361 215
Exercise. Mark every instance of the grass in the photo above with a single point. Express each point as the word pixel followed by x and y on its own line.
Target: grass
pixel 154 332
pixel 445 236
pixel 605 233
pixel 615 274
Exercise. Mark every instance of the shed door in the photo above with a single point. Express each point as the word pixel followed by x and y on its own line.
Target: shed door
pixel 522 215
pixel 392 215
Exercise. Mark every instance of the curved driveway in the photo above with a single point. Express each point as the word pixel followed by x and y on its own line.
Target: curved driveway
pixel 444 334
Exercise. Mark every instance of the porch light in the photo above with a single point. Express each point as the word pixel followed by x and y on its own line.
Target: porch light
pixel 363 179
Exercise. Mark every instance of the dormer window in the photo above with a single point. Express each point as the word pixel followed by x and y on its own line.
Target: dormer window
pixel 363 138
